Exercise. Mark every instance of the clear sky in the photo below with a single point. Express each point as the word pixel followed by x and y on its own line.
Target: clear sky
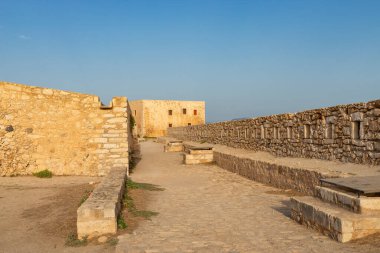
pixel 244 58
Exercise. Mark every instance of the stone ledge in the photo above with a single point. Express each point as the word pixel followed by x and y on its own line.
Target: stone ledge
pixel 98 214
pixel 280 176
pixel 349 201
pixel 339 224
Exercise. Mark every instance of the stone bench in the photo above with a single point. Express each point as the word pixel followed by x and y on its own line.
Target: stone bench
pixel 98 214
pixel 173 146
pixel 198 155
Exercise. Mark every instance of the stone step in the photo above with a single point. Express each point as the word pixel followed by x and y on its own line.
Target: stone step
pixel 349 201
pixel 340 224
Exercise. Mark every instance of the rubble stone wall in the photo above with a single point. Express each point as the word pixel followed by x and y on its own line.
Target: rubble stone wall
pixel 347 133
pixel 65 132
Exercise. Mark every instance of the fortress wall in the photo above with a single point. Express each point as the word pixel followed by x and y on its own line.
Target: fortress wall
pixel 65 132
pixel 347 133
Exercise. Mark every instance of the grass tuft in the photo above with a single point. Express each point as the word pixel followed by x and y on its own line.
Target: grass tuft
pixel 112 241
pixel 43 174
pixel 87 194
pixel 129 203
pixel 121 223
pixel 143 186
pixel 145 214
pixel 73 241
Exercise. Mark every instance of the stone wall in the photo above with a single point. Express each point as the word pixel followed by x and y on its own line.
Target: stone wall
pixel 153 117
pixel 348 133
pixel 65 132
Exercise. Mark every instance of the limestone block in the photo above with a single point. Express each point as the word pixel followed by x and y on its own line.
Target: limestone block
pixel 98 214
pixel 176 146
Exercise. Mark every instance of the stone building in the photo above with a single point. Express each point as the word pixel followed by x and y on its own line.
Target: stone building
pixel 154 117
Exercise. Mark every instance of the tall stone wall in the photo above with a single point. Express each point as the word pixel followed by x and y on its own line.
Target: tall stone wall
pixel 65 132
pixel 348 133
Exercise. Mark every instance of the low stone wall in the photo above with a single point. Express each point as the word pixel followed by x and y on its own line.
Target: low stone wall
pixel 68 133
pixel 347 133
pixel 279 176
pixel 298 174
pixel 98 214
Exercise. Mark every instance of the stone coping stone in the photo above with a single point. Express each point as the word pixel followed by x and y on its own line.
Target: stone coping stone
pixel 175 142
pixel 349 201
pixel 367 186
pixel 201 148
pixel 98 214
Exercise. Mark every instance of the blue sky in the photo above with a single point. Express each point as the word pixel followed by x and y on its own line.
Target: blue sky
pixel 244 58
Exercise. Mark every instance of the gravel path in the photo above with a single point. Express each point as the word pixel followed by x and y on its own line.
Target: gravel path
pixel 207 209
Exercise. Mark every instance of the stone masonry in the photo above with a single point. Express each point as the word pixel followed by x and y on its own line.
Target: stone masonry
pixel 65 132
pixel 153 117
pixel 347 133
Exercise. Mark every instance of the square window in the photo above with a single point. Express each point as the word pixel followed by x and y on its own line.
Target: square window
pixel 195 112
pixel 170 112
pixel 184 110
pixel 189 124
pixel 170 125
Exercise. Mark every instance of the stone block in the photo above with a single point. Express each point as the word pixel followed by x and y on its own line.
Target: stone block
pixel 339 224
pixel 98 214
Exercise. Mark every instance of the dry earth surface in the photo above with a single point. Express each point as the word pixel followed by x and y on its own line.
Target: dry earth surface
pixel 37 215
pixel 202 209
pixel 207 209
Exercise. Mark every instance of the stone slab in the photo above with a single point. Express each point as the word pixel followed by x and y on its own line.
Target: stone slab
pixel 349 201
pixel 360 185
pixel 337 223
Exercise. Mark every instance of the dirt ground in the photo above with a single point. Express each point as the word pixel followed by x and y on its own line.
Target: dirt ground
pixel 38 215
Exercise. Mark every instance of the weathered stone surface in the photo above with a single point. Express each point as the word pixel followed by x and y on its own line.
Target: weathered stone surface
pixel 153 118
pixel 174 146
pixel 198 155
pixel 331 133
pixel 64 132
pixel 98 214
pixel 366 205
pixel 335 222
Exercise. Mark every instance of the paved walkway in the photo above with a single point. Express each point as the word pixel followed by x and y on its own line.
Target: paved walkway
pixel 207 209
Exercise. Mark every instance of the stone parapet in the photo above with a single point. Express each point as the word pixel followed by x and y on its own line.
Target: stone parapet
pixel 299 174
pixel 347 133
pixel 98 214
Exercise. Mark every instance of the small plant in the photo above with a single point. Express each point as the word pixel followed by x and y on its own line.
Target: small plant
pixel 43 174
pixel 132 122
pixel 73 241
pixel 112 241
pixel 84 197
pixel 121 223
pixel 143 186
pixel 129 203
pixel 145 214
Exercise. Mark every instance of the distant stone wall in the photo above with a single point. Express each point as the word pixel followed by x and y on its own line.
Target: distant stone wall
pixel 65 132
pixel 348 133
